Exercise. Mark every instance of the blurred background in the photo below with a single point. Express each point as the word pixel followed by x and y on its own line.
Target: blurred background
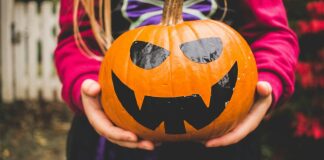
pixel 34 121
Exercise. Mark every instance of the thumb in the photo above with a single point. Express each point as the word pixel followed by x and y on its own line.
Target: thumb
pixel 90 88
pixel 264 88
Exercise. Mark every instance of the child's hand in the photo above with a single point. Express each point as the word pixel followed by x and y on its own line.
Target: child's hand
pixel 251 122
pixel 89 92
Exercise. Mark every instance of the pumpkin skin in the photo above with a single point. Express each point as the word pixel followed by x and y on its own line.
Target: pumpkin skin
pixel 174 74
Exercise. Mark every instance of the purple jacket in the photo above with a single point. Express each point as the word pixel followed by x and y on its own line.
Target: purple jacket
pixel 262 23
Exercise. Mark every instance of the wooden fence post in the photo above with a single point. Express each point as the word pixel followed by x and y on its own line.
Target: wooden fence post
pixel 6 51
pixel 20 51
pixel 47 21
pixel 32 50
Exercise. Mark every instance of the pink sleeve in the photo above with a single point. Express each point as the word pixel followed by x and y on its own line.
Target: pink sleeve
pixel 72 66
pixel 264 24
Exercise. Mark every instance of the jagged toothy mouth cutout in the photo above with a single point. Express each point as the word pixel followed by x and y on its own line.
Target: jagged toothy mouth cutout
pixel 173 111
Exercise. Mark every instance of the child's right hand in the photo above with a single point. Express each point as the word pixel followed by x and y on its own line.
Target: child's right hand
pixel 90 90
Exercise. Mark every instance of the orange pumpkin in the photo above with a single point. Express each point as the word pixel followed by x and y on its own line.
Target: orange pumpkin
pixel 178 80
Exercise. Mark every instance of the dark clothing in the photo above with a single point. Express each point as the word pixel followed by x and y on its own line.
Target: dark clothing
pixel 82 142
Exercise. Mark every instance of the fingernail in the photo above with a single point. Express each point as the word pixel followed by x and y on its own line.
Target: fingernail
pixel 146 146
pixel 208 145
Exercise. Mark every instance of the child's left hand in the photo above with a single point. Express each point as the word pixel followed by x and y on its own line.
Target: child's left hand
pixel 252 120
pixel 90 90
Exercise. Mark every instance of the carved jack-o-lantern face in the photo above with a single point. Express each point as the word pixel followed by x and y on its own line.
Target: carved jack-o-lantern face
pixel 173 111
pixel 193 80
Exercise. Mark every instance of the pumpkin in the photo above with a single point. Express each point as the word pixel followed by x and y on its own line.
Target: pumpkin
pixel 177 81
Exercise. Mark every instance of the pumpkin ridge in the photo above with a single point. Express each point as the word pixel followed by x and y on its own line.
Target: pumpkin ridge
pixel 220 25
pixel 153 33
pixel 212 31
pixel 201 66
pixel 196 37
pixel 129 58
pixel 124 123
pixel 170 59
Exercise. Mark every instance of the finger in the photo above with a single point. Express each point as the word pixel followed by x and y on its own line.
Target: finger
pixel 249 124
pixel 90 88
pixel 147 145
pixel 126 144
pixel 99 120
pixel 102 125
pixel 263 88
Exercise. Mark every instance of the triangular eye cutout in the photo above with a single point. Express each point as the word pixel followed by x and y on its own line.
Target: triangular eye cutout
pixel 146 55
pixel 203 50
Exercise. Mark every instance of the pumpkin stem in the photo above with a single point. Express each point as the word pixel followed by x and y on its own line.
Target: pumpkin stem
pixel 172 12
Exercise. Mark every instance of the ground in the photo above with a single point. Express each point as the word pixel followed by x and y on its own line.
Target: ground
pixel 38 131
pixel 33 130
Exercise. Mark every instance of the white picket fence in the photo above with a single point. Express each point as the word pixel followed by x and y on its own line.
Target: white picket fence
pixel 28 39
